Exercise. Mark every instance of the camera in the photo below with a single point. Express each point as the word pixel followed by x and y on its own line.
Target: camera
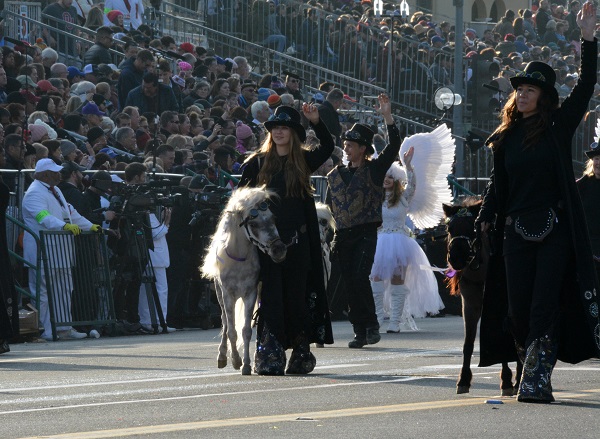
pixel 130 199
pixel 209 204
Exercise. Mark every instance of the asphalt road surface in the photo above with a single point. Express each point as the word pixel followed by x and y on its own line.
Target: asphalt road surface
pixel 169 386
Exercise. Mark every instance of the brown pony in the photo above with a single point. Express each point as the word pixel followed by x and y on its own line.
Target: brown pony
pixel 468 256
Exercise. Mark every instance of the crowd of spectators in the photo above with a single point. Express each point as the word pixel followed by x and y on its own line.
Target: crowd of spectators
pixel 185 109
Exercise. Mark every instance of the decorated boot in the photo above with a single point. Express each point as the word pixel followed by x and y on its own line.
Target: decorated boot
pixel 302 361
pixel 537 369
pixel 269 358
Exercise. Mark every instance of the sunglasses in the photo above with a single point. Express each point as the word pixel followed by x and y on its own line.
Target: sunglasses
pixel 293 81
pixel 281 117
pixel 253 214
pixel 533 75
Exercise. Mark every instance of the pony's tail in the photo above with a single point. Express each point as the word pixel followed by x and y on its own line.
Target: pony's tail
pixel 209 268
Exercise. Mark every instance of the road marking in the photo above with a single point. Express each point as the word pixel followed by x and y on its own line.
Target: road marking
pixel 23 360
pixel 212 395
pixel 289 417
pixel 157 379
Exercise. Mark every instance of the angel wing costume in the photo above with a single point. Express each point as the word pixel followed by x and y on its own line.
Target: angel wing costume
pixel 397 253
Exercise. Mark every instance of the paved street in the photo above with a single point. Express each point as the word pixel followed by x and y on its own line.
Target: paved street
pixel 168 386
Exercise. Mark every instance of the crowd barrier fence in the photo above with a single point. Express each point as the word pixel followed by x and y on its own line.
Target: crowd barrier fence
pixel 78 279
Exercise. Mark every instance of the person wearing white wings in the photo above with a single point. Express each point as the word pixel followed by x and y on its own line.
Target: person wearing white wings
pixel 401 276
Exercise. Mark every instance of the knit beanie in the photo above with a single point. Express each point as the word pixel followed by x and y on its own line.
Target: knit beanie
pixel 36 132
pixel 113 15
pixel 242 131
pixel 274 101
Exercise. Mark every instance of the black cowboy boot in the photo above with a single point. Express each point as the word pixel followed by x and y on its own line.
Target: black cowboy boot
pixel 360 337
pixel 537 370
pixel 302 361
pixel 269 358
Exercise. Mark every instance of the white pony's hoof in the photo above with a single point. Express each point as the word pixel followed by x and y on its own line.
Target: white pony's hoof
pixel 236 363
pixel 247 370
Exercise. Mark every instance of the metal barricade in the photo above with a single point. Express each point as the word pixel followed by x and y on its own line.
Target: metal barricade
pixel 66 41
pixel 77 280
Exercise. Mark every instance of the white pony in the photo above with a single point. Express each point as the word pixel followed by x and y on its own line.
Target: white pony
pixel 245 226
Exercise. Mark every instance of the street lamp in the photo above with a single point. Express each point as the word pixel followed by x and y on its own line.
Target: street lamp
pixel 404 12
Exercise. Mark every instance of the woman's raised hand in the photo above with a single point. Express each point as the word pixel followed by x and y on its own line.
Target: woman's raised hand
pixel 586 20
pixel 311 112
pixel 408 155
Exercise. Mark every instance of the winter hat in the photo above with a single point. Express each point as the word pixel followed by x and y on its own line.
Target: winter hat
pixel 67 147
pixel 397 172
pixel 187 47
pixel 113 15
pixel 263 94
pixel 37 132
pixel 184 66
pixel 274 101
pixel 242 131
pixel 51 132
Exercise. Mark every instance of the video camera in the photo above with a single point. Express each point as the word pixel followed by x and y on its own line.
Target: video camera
pixel 132 199
pixel 209 204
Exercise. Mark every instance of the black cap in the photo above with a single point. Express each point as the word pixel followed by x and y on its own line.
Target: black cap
pixel 69 167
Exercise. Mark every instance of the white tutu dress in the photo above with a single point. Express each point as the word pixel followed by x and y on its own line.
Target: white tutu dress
pixel 398 253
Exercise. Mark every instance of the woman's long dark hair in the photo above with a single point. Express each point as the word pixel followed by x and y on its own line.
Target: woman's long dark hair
pixel 539 123
pixel 297 172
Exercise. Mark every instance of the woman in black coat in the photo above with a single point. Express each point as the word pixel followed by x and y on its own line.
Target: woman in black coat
pixel 547 269
pixel 293 308
pixel 589 191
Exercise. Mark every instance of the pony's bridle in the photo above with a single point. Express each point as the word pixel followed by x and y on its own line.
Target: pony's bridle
pixel 253 214
pixel 474 243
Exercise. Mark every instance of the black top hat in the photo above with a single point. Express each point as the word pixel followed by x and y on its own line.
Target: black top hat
pixel 540 74
pixel 594 150
pixel 362 134
pixel 289 117
pixel 289 74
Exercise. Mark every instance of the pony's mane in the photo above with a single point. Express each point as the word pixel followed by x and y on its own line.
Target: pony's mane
pixel 324 212
pixel 240 202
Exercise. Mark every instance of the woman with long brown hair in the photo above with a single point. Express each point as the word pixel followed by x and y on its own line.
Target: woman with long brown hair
pixel 293 307
pixel 544 287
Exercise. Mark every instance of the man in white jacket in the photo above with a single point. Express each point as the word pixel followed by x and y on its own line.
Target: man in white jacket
pixel 45 208
pixel 159 257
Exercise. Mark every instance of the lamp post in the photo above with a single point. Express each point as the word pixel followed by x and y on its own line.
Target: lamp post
pixel 404 12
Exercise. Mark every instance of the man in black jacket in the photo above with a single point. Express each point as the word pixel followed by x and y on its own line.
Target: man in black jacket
pixel 132 74
pixel 99 53
pixel 329 115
